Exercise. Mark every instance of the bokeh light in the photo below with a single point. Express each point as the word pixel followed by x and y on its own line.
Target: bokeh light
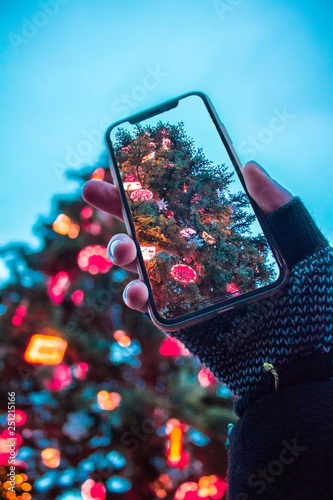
pixel 94 259
pixel 45 349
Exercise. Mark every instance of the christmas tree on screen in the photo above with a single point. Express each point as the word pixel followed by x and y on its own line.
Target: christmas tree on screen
pixel 194 232
pixel 106 405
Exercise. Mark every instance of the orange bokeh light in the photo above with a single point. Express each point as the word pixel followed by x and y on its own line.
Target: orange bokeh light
pixel 45 350
pixel 108 400
pixel 51 457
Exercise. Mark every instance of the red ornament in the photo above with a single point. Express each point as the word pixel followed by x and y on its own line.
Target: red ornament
pixel 231 288
pixel 141 195
pixel 184 274
pixel 94 259
pixel 130 178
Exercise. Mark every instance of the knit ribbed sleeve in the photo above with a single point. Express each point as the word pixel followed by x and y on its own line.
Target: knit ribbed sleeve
pixel 292 324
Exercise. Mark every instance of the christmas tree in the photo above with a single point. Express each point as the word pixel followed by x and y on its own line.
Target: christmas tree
pixel 106 405
pixel 194 232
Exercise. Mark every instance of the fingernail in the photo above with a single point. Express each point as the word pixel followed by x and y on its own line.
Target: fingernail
pixel 259 167
pixel 126 291
pixel 112 247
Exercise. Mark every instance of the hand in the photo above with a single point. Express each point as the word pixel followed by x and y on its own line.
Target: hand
pixel 268 194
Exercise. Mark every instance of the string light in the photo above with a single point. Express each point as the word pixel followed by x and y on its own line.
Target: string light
pixel 122 339
pixel 45 349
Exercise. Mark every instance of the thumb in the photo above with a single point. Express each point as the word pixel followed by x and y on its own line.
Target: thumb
pixel 265 191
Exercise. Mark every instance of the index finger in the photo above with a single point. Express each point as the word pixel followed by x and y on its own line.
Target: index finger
pixel 103 196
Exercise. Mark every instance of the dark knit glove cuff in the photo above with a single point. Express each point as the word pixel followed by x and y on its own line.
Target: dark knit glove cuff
pixel 281 329
pixel 295 232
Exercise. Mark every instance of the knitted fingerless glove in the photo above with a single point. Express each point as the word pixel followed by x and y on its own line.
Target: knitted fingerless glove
pixel 281 330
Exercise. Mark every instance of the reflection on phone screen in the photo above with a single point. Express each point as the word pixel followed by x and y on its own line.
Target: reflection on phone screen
pixel 199 237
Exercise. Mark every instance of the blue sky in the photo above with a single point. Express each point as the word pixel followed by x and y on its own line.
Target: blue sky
pixel 71 67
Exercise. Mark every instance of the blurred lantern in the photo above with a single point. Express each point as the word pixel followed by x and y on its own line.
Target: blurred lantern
pixel 176 457
pixel 45 349
pixel 51 457
pixel 231 288
pixel 98 174
pixel 205 377
pixel 148 252
pixel 183 273
pixel 64 225
pixel 172 347
pixel 94 259
pixel 91 490
pixel 58 287
pixel 141 195
pixel 108 400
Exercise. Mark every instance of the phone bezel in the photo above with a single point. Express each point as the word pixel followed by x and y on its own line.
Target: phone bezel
pixel 216 308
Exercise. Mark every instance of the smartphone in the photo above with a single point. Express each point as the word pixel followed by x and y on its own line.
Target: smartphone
pixel 203 246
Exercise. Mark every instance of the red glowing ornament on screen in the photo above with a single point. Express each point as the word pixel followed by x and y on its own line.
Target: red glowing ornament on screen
pixel 98 174
pixel 45 350
pixel 173 347
pixel 184 274
pixel 58 287
pixel 94 259
pixel 205 377
pixel 141 195
pixel 231 288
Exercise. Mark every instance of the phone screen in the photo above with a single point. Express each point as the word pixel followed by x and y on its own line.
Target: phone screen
pixel 199 237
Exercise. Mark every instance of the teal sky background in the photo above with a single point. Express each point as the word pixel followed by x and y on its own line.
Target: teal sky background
pixel 71 67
